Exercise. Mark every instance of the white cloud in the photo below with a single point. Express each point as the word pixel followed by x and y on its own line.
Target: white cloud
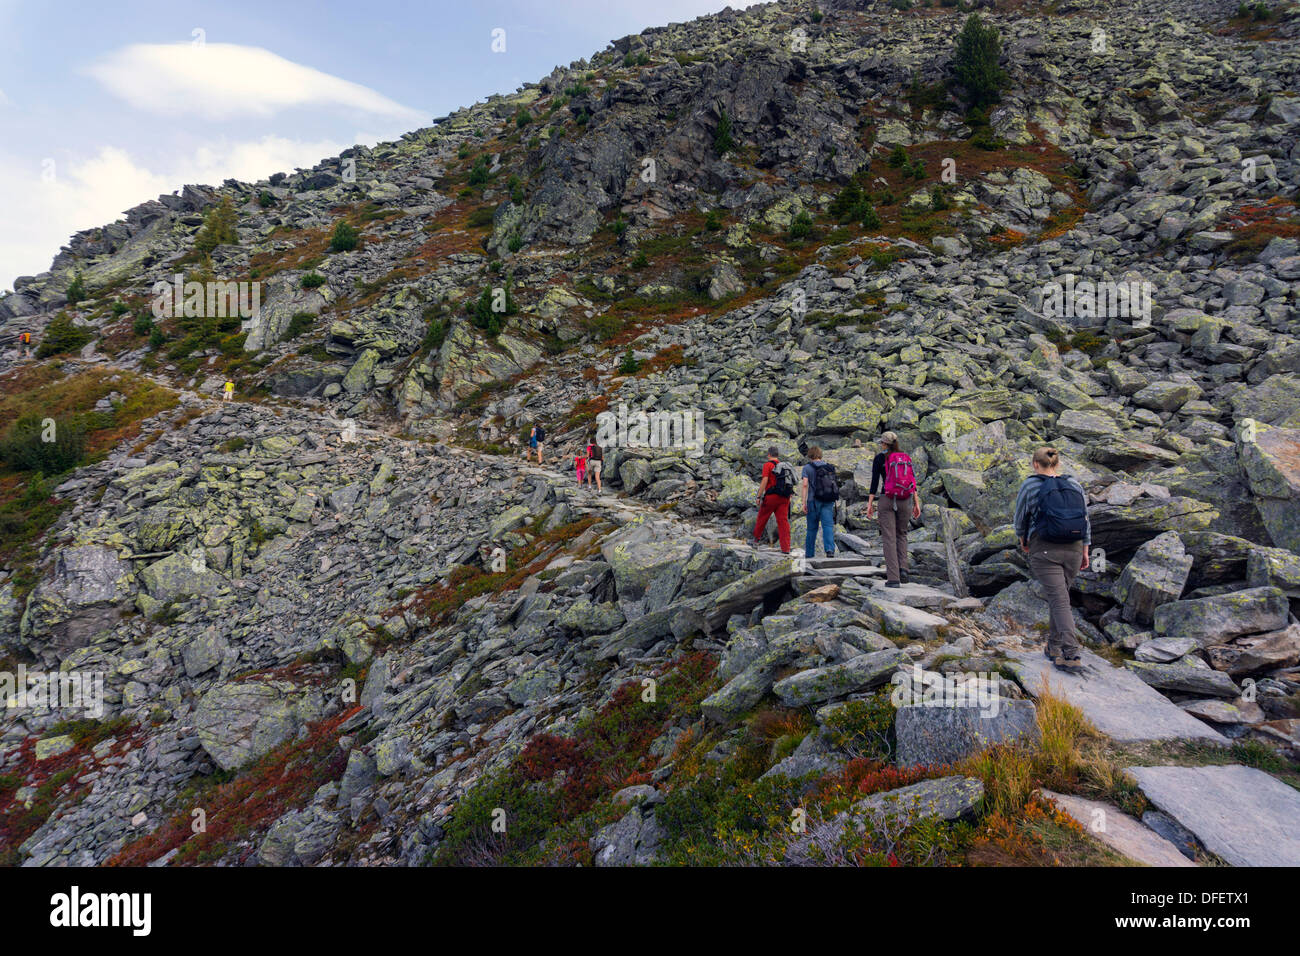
pixel 223 81
pixel 4 100
pixel 45 205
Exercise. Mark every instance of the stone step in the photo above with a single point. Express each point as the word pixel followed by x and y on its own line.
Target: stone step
pixel 1117 702
pixel 1240 814
pixel 1119 831
pixel 915 595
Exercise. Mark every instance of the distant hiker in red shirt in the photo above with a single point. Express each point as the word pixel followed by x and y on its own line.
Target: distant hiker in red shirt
pixel 774 493
pixel 580 465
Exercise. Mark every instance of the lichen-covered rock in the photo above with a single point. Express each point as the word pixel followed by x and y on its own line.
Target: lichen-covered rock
pixel 240 722
pixel 1155 575
pixel 1212 620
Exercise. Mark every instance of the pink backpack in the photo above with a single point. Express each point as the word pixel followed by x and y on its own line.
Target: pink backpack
pixel 900 481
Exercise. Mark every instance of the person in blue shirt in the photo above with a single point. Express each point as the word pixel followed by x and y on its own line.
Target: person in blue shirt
pixel 819 512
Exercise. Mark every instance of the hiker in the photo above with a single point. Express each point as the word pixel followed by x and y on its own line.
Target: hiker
pixel 595 459
pixel 25 344
pixel 580 465
pixel 535 439
pixel 900 502
pixel 774 493
pixel 228 392
pixel 1054 531
pixel 819 491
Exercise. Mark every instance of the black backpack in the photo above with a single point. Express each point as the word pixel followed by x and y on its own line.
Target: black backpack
pixel 540 434
pixel 1062 512
pixel 824 485
pixel 782 480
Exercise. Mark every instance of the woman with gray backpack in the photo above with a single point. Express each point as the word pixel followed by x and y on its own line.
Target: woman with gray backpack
pixel 900 502
pixel 1054 531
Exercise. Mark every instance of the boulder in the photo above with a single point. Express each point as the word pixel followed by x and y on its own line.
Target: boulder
pixel 77 602
pixel 1213 620
pixel 836 680
pixel 1271 460
pixel 1257 652
pixel 239 722
pixel 1185 679
pixel 179 576
pixel 1155 575
pixel 943 734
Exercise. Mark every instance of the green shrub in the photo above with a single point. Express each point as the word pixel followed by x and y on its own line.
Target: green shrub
pixel 156 338
pixel 516 243
pixel 76 289
pixel 483 316
pixel 478 174
pixel 864 728
pixel 801 226
pixel 143 323
pixel 898 157
pixel 344 239
pixel 481 217
pixel 723 142
pixel 629 364
pixel 265 199
pixel 25 446
pixel 218 227
pixel 522 119
pixel 300 323
pixel 435 335
pixel 975 61
pixel 61 335
pixel 313 280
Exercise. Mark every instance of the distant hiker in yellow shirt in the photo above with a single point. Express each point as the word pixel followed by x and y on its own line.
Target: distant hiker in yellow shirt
pixel 228 392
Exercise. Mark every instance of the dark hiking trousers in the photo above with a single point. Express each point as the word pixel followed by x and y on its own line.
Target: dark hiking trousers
pixel 894 516
pixel 1055 566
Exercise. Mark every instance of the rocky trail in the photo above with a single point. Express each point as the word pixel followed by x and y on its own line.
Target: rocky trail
pixel 346 621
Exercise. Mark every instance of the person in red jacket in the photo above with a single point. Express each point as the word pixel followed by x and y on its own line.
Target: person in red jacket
pixel 774 493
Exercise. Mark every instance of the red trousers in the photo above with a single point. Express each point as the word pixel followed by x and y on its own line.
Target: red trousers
pixel 774 505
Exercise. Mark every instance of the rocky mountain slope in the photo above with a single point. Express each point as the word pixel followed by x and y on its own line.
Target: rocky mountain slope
pixel 340 619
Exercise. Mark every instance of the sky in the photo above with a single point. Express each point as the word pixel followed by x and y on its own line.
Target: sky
pixel 106 105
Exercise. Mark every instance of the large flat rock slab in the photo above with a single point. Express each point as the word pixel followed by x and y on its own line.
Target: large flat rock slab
pixel 1119 831
pixel 1239 813
pixel 1117 702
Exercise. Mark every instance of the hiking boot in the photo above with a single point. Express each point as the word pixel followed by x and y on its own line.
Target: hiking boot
pixel 904 577
pixel 1071 665
pixel 893 584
